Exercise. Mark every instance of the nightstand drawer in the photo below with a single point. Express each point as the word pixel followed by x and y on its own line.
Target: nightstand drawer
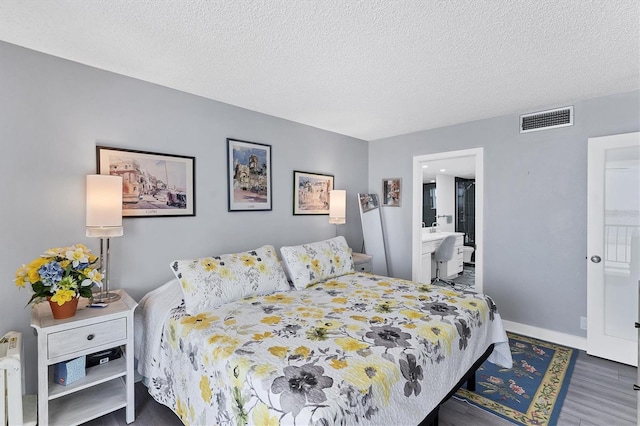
pixel 363 267
pixel 83 338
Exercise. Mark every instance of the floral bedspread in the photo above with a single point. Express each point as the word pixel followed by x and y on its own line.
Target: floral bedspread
pixel 359 349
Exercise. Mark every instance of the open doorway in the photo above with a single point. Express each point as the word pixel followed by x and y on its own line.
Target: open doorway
pixel 452 159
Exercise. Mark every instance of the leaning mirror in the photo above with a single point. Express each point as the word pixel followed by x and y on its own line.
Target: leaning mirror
pixel 372 232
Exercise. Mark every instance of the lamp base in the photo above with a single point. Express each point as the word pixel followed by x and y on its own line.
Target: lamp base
pixel 106 297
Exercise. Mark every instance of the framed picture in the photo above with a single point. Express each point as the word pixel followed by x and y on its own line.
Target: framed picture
pixel 391 192
pixel 311 193
pixel 248 175
pixel 368 202
pixel 153 184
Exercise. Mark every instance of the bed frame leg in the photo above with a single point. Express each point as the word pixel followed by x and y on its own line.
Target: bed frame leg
pixel 471 382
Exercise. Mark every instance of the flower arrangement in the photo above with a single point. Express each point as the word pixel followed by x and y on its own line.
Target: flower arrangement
pixel 60 274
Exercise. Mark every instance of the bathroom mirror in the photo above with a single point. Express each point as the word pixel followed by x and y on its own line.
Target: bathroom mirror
pixel 372 232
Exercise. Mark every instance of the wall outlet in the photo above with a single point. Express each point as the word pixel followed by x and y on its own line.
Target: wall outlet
pixel 583 323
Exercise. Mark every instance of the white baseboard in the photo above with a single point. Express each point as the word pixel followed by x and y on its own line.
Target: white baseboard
pixel 570 340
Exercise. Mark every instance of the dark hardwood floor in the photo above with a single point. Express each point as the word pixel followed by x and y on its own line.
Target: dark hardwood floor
pixel 600 394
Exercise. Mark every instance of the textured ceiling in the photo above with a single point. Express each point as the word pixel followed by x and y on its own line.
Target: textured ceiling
pixel 368 69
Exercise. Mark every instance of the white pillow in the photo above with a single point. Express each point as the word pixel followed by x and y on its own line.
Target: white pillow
pixel 312 263
pixel 212 281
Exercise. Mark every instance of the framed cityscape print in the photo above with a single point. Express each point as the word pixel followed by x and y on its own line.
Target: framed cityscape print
pixel 248 175
pixel 391 192
pixel 311 193
pixel 153 184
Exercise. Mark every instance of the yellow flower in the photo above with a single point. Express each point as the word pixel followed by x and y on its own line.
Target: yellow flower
pixel 262 336
pixel 77 256
pixel 262 416
pixel 272 320
pixel 337 261
pixel 474 305
pixel 21 274
pixel 247 260
pixel 201 321
pixel 384 284
pixel 315 265
pixel 449 293
pixel 225 346
pixel 208 264
pixel 278 298
pixel 205 389
pixel 377 320
pixel 375 372
pixel 338 363
pixel 262 371
pixel 438 332
pixel 411 314
pixel 226 272
pixel 230 321
pixel 339 300
pixel 63 296
pixel 410 325
pixel 302 351
pixel 335 284
pixel 181 410
pixel 262 268
pixel 350 344
pixel 32 269
pixel 310 312
pixel 359 318
pixel 278 351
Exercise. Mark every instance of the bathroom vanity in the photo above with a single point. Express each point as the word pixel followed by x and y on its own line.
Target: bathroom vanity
pixel 429 244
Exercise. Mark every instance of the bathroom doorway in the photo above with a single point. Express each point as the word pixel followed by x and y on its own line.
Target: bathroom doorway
pixel 466 210
pixel 435 161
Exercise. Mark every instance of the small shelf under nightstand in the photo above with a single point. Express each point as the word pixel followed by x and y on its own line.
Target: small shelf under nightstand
pixel 362 262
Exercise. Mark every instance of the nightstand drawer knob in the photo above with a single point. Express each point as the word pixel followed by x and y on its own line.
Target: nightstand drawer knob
pixel 91 336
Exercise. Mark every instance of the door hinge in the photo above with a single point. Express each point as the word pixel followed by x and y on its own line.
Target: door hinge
pixel 636 388
pixel 638 325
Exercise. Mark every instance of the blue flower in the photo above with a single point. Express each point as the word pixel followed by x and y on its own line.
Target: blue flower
pixel 51 273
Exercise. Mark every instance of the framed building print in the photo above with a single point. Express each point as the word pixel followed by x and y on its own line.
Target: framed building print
pixel 153 184
pixel 311 193
pixel 248 176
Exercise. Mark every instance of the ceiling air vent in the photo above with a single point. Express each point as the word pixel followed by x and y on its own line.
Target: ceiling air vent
pixel 560 117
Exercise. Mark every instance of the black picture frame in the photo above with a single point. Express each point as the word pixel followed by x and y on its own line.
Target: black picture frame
pixel 311 193
pixel 154 184
pixel 249 185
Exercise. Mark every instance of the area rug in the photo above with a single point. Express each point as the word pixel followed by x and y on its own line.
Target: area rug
pixel 533 390
pixel 467 278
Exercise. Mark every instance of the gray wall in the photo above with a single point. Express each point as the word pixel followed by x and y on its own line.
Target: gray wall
pixel 54 112
pixel 535 218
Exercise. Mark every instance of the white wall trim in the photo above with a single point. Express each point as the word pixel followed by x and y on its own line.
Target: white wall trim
pixel 570 340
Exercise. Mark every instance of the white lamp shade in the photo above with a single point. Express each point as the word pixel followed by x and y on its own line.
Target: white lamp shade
pixel 104 206
pixel 338 206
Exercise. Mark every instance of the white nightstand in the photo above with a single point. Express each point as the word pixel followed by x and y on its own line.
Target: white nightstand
pixel 106 387
pixel 362 262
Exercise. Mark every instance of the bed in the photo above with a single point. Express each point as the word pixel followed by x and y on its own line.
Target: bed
pixel 218 345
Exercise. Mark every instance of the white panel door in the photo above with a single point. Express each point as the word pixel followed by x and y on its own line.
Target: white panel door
pixel 613 247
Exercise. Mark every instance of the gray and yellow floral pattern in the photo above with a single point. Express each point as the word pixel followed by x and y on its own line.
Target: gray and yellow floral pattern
pixel 356 349
pixel 212 281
